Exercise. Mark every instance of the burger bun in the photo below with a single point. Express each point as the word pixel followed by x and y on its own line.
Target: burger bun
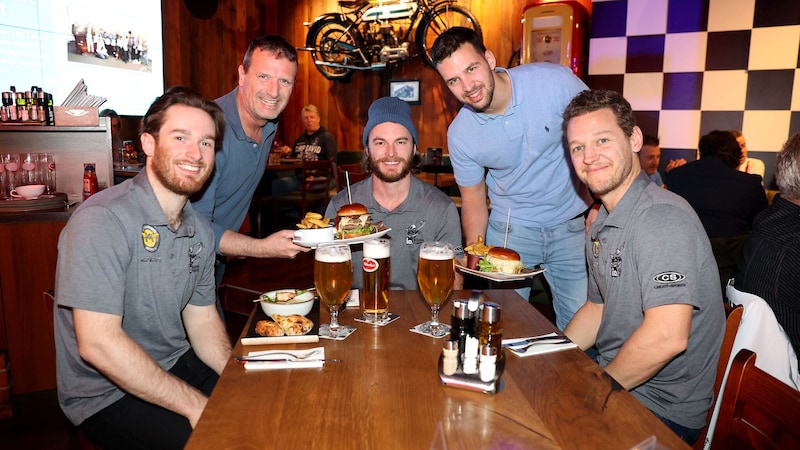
pixel 504 260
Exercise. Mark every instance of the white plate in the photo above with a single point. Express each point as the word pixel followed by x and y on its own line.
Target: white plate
pixel 354 240
pixel 499 276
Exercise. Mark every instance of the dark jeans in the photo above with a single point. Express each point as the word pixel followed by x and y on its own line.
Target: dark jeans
pixel 689 435
pixel 131 423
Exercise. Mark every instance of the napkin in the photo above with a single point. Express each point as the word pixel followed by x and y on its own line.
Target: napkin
pixel 352 300
pixel 539 347
pixel 314 361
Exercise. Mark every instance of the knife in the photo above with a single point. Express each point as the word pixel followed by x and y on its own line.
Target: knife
pixel 244 359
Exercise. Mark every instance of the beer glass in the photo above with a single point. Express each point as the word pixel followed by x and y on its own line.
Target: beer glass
pixel 11 164
pixel 435 275
pixel 47 172
pixel 377 269
pixel 333 278
pixel 29 162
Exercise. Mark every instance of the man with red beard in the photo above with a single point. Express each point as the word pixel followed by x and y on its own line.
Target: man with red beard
pixel 415 211
pixel 139 343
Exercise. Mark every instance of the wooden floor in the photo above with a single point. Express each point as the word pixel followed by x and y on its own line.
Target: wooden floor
pixel 38 422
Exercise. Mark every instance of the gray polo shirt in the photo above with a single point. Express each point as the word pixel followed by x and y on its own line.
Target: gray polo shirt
pixel 118 255
pixel 427 214
pixel 650 251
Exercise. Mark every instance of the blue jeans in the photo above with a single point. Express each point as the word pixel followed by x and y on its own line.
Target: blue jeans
pixel 558 249
pixel 285 185
pixel 688 435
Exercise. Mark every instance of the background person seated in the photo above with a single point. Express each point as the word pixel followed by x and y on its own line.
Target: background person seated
pixel 315 144
pixel 749 165
pixel 770 266
pixel 725 199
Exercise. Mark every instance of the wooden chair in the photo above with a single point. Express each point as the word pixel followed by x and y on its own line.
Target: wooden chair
pixel 354 171
pixel 314 190
pixel 758 410
pixel 731 327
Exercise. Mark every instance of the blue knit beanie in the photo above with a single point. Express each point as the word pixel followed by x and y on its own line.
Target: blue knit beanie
pixel 389 109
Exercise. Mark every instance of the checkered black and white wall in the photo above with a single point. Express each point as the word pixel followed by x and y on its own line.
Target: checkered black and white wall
pixel 692 66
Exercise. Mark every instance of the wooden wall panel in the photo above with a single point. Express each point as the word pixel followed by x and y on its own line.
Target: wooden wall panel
pixel 205 54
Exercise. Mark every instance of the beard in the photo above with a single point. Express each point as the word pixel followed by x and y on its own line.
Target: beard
pixel 486 102
pixel 164 171
pixel 616 179
pixel 374 165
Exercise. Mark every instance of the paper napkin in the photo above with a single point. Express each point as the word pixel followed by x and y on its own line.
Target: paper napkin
pixel 538 348
pixel 315 360
pixel 444 327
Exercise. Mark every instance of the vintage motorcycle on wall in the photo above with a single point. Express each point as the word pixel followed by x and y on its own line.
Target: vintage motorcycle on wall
pixel 369 35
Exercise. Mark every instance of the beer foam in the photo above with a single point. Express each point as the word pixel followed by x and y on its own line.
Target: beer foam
pixel 376 250
pixel 332 257
pixel 436 254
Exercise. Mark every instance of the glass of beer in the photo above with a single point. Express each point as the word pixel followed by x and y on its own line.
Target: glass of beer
pixel 435 275
pixel 377 269
pixel 333 278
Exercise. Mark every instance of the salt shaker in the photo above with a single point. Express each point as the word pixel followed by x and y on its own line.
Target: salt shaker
pixel 488 363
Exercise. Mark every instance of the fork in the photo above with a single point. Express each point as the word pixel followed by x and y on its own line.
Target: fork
pixel 530 343
pixel 263 357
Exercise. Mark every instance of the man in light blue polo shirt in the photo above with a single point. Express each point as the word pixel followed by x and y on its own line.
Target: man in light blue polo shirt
pixel 507 140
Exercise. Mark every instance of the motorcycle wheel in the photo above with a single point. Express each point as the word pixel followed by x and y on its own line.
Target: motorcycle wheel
pixel 333 43
pixel 444 17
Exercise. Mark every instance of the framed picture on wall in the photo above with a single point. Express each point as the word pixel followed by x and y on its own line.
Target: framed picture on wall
pixel 406 90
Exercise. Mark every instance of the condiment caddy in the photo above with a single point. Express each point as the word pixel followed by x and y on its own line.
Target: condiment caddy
pixel 473 357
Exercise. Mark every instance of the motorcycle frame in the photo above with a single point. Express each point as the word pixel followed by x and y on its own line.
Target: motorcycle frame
pixel 425 8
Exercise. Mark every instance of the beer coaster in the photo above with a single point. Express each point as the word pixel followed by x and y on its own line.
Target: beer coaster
pixel 444 330
pixel 344 332
pixel 380 323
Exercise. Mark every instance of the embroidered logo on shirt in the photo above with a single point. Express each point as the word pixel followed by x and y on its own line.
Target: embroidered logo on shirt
pixel 669 277
pixel 150 238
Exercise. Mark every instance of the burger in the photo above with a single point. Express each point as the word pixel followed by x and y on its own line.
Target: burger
pixel 501 259
pixel 353 220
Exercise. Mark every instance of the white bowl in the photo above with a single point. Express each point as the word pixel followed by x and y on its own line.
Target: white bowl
pixel 301 304
pixel 314 235
pixel 28 192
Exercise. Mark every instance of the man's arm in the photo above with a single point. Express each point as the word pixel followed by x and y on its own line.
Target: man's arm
pixel 474 213
pixel 582 329
pixel 276 245
pixel 663 334
pixel 208 336
pixel 104 344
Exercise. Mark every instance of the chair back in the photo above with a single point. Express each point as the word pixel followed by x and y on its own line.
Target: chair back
pixel 353 172
pixel 315 186
pixel 731 327
pixel 758 411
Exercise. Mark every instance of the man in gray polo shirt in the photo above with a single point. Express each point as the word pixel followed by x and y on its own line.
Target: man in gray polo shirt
pixel 655 309
pixel 414 210
pixel 139 343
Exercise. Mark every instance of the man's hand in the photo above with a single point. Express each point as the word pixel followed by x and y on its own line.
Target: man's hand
pixel 673 163
pixel 276 245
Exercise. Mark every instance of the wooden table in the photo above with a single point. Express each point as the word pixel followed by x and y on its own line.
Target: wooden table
pixel 386 394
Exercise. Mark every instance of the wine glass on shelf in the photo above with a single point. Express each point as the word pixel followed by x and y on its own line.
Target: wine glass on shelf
pixel 435 275
pixel 333 278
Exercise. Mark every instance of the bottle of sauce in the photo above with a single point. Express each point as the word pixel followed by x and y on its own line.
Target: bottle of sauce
pixel 490 327
pixel 89 180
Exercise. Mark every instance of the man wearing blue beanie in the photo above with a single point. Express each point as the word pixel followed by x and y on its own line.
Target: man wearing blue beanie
pixel 415 211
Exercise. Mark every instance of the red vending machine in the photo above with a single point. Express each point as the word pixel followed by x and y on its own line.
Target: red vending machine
pixel 555 32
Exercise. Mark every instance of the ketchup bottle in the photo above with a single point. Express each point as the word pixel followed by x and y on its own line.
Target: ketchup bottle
pixel 89 180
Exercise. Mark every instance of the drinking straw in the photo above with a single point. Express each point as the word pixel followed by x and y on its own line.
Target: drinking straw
pixel 347 179
pixel 508 219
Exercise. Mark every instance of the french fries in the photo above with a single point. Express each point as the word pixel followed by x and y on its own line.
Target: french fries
pixel 313 220
pixel 478 248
